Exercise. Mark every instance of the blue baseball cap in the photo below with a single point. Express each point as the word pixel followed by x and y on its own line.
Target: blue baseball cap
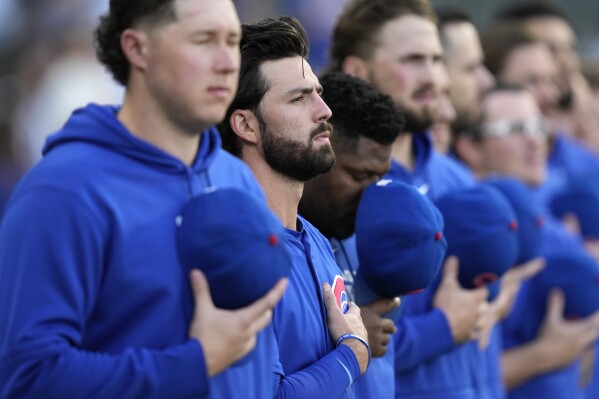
pixel 236 241
pixel 580 197
pixel 528 213
pixel 399 241
pixel 576 274
pixel 481 227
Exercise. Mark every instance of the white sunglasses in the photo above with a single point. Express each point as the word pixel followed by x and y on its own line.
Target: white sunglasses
pixel 532 127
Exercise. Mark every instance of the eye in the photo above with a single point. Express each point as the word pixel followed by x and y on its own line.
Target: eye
pixel 297 99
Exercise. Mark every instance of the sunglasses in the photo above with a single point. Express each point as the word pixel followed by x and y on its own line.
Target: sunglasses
pixel 533 127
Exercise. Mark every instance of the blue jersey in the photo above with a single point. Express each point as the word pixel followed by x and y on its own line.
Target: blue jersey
pixel 563 383
pixel 591 390
pixel 309 364
pixel 486 367
pixel 95 303
pixel 432 367
pixel 379 380
pixel 434 174
pixel 423 342
pixel 568 159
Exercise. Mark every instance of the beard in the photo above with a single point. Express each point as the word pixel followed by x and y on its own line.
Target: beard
pixel 417 123
pixel 295 160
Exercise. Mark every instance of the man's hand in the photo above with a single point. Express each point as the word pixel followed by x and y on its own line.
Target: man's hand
pixel 510 284
pixel 379 328
pixel 228 335
pixel 348 323
pixel 564 340
pixel 463 308
pixel 558 343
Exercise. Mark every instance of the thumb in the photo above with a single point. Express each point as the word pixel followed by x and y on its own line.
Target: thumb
pixel 450 270
pixel 383 305
pixel 200 289
pixel 481 293
pixel 555 305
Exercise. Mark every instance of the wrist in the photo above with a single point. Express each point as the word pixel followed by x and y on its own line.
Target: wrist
pixel 359 347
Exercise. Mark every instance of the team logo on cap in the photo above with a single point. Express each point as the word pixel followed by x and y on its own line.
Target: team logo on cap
pixel 340 293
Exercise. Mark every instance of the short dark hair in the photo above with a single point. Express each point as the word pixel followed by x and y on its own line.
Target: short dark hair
pixel 501 39
pixel 447 15
pixel 356 30
pixel 359 110
pixel 529 10
pixel 122 15
pixel 451 15
pixel 267 40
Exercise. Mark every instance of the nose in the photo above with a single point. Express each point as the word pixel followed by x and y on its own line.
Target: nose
pixel 550 92
pixel 486 80
pixel 430 72
pixel 227 58
pixel 322 111
pixel 446 112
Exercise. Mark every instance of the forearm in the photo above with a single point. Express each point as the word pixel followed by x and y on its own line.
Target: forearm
pixel 524 362
pixel 421 338
pixel 55 370
pixel 328 378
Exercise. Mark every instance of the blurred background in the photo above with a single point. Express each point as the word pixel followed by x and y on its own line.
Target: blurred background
pixel 48 66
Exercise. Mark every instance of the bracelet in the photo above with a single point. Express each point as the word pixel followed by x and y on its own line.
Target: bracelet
pixel 362 340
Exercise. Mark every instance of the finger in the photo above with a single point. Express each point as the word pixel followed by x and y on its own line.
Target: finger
pixel 388 326
pixel 385 340
pixel 330 302
pixel 352 308
pixel 450 270
pixel 383 305
pixel 253 311
pixel 484 339
pixel 247 347
pixel 378 350
pixel 260 322
pixel 480 294
pixel 530 268
pixel 589 335
pixel 555 305
pixel 201 290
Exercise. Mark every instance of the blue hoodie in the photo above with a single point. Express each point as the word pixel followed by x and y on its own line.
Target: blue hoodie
pixel 94 301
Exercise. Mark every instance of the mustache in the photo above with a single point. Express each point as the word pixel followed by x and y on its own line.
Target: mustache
pixel 321 128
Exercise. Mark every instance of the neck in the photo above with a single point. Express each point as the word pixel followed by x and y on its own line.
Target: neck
pixel 401 151
pixel 145 119
pixel 282 194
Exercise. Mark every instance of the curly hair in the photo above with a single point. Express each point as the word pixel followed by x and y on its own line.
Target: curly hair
pixel 360 110
pixel 122 15
pixel 357 29
pixel 267 40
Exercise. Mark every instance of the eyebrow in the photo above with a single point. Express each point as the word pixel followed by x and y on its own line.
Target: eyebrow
pixel 303 90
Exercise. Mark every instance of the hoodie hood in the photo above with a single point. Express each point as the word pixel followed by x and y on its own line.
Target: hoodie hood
pixel 98 125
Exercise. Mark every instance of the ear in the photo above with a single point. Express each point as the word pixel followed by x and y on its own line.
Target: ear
pixel 468 150
pixel 245 125
pixel 134 44
pixel 355 66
